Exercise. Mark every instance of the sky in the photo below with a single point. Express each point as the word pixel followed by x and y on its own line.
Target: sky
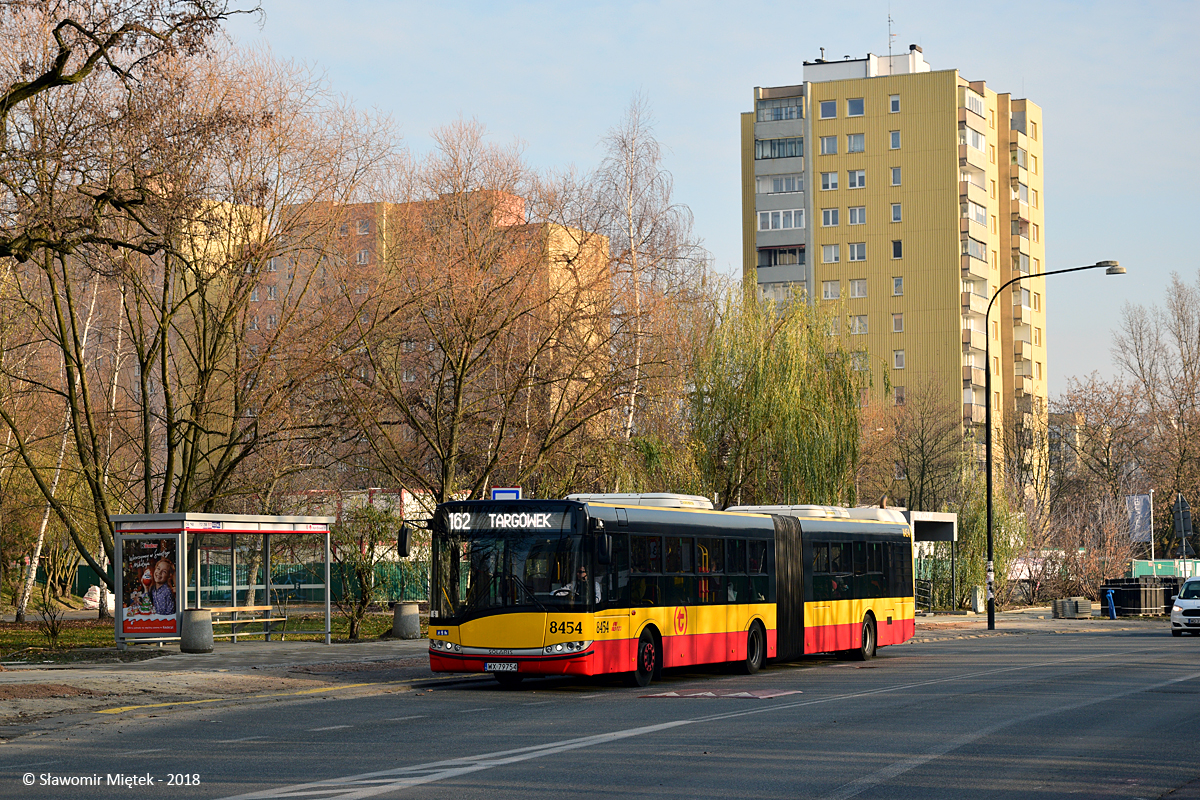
pixel 1117 83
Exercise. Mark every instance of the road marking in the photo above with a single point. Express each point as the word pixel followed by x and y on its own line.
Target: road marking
pixel 723 695
pixel 401 719
pixel 329 728
pixel 857 787
pixel 370 784
pixel 243 739
pixel 538 703
pixel 469 710
pixel 141 752
pixel 15 767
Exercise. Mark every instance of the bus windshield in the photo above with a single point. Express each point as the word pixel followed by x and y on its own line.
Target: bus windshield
pixel 480 573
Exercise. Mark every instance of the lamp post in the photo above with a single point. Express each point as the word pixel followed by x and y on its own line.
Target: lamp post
pixel 1110 268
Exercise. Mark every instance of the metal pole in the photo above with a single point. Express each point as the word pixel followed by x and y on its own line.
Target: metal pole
pixel 1111 268
pixel 267 577
pixel 1152 529
pixel 953 586
pixel 328 632
pixel 233 580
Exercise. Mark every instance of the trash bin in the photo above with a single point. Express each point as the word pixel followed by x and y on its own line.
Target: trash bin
pixel 196 633
pixel 978 599
pixel 406 621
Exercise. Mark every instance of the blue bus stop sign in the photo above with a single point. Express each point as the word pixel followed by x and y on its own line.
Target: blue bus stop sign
pixel 509 493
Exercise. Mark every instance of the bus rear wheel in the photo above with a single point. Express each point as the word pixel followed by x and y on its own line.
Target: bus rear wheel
pixel 866 649
pixel 646 660
pixel 756 650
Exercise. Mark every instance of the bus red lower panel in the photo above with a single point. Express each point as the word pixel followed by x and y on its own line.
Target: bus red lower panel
pixel 828 638
pixel 901 630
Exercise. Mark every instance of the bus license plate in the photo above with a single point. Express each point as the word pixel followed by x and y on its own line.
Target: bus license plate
pixel 496 666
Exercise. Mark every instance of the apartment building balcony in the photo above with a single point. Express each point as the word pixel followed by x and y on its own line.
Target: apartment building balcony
pixel 974 305
pixel 970 157
pixel 973 229
pixel 1020 244
pixel 1023 385
pixel 1022 351
pixel 973 192
pixel 974 268
pixel 973 339
pixel 1022 315
pixel 972 376
pixel 973 413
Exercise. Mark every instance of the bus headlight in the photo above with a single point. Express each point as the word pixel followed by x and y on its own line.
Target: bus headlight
pixel 567 647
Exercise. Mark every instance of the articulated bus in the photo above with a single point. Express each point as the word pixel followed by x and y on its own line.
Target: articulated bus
pixel 599 584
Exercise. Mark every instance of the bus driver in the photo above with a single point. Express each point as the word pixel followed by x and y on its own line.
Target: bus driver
pixel 575 588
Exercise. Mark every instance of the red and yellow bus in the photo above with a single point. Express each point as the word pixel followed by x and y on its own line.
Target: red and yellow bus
pixel 604 584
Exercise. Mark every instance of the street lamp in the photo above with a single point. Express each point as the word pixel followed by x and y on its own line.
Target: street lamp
pixel 1110 268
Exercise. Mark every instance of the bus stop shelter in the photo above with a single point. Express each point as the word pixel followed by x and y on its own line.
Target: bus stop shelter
pixel 159 571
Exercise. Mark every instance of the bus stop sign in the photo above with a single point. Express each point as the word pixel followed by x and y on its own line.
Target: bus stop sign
pixel 508 493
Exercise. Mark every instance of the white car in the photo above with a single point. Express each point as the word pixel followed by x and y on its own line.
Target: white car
pixel 1185 611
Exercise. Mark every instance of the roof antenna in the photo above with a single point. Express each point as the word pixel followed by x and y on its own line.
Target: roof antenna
pixel 822 53
pixel 890 37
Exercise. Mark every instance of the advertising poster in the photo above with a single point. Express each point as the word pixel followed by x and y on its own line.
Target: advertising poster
pixel 148 591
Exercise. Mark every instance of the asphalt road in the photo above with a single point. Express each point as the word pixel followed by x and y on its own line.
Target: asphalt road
pixel 1094 713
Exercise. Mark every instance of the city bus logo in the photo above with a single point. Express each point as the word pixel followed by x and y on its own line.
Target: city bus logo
pixel 681 619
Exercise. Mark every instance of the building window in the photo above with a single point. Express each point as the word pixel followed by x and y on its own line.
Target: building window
pixel 858 324
pixel 899 394
pixel 993 190
pixel 830 254
pixel 858 287
pixel 995 227
pixel 829 145
pixel 897 286
pixel 995 365
pixel 1037 265
pixel 779 148
pixel 897 248
pixel 1033 164
pixel 828 109
pixel 831 290
pixel 971 137
pixel 894 104
pixel 272 292
pixel 362 257
pixel 995 262
pixel 829 217
pixel 781 257
pixel 785 219
pixel 976 213
pixel 1037 370
pixel 858 215
pixel 1037 232
pixel 858 251
pixel 254 295
pixel 894 140
pixel 854 107
pixel 856 178
pixel 362 288
pixel 781 184
pixel 897 323
pixel 895 176
pixel 1033 131
pixel 860 362
pixel 364 227
pixel 254 323
pixel 856 142
pixel 344 229
pixel 896 216
pixel 995 329
pixel 780 109
pixel 1037 337
pixel 1034 194
pixel 898 359
pixel 272 265
pixel 974 248
pixel 829 180
pixel 271 320
pixel 992 153
pixel 1037 302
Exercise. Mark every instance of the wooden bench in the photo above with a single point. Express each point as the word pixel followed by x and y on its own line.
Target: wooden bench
pixel 266 616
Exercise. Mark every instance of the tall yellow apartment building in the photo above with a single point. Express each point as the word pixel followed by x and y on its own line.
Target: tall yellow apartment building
pixel 907 195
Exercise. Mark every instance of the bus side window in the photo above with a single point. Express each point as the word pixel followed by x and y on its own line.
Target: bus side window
pixel 679 554
pixel 737 588
pixel 645 554
pixel 757 554
pixel 860 558
pixel 835 558
pixel 820 557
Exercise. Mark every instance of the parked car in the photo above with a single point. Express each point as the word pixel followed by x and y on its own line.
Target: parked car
pixel 1185 609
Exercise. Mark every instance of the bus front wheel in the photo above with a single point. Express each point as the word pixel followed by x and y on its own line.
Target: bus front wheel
pixel 866 648
pixel 646 660
pixel 756 650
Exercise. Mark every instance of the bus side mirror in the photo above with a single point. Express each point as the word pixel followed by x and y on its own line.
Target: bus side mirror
pixel 403 541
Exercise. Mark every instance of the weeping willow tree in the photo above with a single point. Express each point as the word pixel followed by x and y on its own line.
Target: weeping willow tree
pixel 775 404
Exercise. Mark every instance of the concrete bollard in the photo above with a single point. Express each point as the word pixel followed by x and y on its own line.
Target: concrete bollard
pixel 406 621
pixel 978 603
pixel 196 633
